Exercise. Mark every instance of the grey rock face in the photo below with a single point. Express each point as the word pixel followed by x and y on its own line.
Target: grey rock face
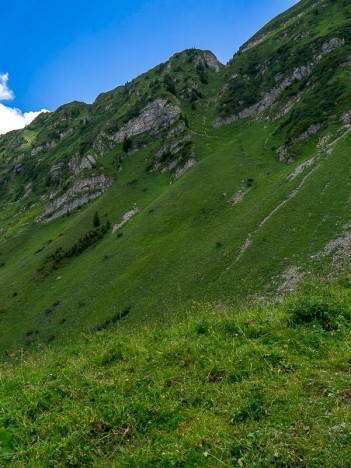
pixel 283 155
pixel 174 146
pixel 303 35
pixel 327 47
pixel 77 165
pixel 291 278
pixel 253 43
pixel 66 133
pixel 38 149
pixel 177 130
pixel 126 217
pixel 155 117
pixel 239 196
pixel 348 62
pixel 297 75
pixel 102 144
pixel 287 107
pixel 209 59
pixel 299 169
pixel 88 162
pixel 18 158
pixel 312 130
pixel 182 170
pixel 56 169
pixel 17 166
pixel 346 117
pixel 19 169
pixel 175 150
pixel 81 192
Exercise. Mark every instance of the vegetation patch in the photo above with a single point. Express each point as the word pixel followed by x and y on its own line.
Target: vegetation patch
pixel 202 392
pixel 55 260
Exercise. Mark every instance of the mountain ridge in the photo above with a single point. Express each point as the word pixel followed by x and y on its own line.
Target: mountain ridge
pixel 189 207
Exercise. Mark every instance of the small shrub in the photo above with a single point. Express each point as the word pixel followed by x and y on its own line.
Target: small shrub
pixel 6 443
pixel 104 325
pixel 127 144
pixel 238 375
pixel 132 182
pixel 96 220
pixel 111 356
pixel 169 85
pixel 309 310
pixel 202 328
pixel 48 311
pixel 53 261
pixel 231 328
pixel 252 408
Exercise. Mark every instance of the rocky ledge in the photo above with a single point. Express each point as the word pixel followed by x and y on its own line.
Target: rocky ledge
pixel 155 117
pixel 81 192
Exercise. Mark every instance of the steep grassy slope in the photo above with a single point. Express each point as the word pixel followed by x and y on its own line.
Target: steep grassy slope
pixel 183 244
pixel 188 153
pixel 264 387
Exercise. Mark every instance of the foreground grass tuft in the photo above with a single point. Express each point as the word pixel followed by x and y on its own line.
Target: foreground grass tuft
pixel 266 387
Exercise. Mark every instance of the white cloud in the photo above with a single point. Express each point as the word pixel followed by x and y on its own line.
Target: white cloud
pixel 14 119
pixel 10 117
pixel 5 92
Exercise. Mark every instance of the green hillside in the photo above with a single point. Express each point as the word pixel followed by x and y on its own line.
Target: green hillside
pixel 175 280
pixel 195 182
pixel 263 387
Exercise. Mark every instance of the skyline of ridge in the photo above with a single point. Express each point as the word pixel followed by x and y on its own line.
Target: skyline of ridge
pixel 83 52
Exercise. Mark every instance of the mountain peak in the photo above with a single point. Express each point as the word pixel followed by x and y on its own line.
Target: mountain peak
pixel 197 57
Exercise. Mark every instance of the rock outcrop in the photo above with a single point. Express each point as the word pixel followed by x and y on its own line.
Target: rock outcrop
pixel 239 196
pixel 209 59
pixel 185 168
pixel 176 151
pixel 39 149
pixel 81 192
pixel 155 117
pixel 298 74
pixel 312 130
pixel 77 164
pixel 125 218
pixel 56 170
pixel 330 46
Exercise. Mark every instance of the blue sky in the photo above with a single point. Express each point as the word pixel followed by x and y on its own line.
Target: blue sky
pixel 58 51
